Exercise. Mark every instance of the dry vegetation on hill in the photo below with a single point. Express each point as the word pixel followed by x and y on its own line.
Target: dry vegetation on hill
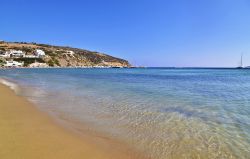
pixel 65 56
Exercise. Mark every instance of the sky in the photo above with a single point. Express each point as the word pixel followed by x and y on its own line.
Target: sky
pixel 180 33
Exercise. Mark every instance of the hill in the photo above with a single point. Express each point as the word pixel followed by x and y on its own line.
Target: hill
pixel 63 56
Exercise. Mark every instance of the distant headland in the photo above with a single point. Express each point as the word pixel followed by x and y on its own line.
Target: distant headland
pixel 23 54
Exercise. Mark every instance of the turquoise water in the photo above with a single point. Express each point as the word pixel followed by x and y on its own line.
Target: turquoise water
pixel 165 113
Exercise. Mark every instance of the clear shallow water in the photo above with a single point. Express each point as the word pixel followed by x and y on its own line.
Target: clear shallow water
pixel 166 113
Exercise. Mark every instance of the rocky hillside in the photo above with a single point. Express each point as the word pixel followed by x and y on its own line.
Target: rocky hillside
pixel 65 56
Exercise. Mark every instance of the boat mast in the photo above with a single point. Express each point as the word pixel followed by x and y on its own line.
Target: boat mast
pixel 241 61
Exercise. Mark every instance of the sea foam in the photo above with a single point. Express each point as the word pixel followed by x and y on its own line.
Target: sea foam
pixel 13 86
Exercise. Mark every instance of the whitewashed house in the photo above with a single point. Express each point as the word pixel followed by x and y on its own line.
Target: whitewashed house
pixel 71 53
pixel 13 64
pixel 16 53
pixel 37 64
pixel 30 56
pixel 39 53
pixel 4 54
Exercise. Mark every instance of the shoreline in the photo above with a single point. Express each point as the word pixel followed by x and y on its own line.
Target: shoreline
pixel 28 133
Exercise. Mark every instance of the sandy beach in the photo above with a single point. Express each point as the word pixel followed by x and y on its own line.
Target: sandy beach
pixel 27 133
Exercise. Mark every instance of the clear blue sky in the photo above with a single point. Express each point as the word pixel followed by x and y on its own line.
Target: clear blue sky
pixel 146 32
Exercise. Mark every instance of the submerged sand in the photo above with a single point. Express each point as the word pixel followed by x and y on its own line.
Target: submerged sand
pixel 26 133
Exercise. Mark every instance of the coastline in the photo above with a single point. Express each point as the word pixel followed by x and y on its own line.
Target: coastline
pixel 27 133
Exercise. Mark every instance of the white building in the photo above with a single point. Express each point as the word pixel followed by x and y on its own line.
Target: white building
pixel 4 54
pixel 69 53
pixel 30 56
pixel 37 64
pixel 39 53
pixel 13 64
pixel 16 53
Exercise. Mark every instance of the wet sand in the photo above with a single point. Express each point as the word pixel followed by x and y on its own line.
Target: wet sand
pixel 27 133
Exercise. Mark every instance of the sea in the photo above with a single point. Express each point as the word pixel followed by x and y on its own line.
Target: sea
pixel 163 112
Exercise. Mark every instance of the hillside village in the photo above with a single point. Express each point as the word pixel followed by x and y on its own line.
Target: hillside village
pixel 10 56
pixel 16 54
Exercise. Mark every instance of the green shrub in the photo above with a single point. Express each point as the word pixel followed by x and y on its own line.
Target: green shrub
pixel 28 61
pixel 57 62
pixel 50 63
pixel 50 53
pixel 27 49
pixel 2 62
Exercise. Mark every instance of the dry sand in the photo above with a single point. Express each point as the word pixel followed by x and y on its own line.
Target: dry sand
pixel 26 133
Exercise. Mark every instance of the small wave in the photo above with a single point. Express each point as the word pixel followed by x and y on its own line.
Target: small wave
pixel 13 86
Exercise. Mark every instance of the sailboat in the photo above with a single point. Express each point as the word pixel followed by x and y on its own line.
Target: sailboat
pixel 241 63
